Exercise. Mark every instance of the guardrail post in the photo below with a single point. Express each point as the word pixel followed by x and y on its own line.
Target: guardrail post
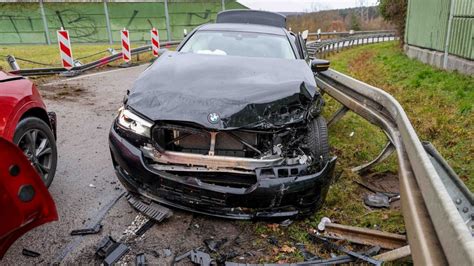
pixel 45 23
pixel 107 22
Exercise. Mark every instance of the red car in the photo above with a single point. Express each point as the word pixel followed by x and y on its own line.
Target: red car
pixel 25 202
pixel 25 122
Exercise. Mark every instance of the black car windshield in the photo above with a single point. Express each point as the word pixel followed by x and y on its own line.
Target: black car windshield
pixel 235 43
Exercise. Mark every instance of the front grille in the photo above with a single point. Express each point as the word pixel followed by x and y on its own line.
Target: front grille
pixel 196 140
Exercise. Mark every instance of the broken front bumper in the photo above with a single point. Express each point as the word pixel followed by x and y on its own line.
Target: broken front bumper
pixel 282 197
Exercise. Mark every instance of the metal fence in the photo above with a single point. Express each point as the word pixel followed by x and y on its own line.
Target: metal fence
pixel 437 207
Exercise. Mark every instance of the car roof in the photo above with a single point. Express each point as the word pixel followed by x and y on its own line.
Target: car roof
pixel 244 28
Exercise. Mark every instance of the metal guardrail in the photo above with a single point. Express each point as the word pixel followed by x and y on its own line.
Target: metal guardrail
pixel 323 48
pixel 348 33
pixel 79 69
pixel 437 208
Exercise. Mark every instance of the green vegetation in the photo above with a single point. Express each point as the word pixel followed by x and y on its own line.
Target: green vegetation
pixel 49 54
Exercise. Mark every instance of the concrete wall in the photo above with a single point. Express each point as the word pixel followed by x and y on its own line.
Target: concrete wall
pixel 21 21
pixel 436 59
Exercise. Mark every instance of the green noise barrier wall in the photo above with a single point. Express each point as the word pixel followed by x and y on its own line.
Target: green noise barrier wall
pixel 86 21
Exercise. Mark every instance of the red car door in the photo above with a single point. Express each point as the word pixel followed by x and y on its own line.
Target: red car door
pixel 24 199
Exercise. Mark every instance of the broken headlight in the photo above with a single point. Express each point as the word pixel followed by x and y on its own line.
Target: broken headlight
pixel 129 121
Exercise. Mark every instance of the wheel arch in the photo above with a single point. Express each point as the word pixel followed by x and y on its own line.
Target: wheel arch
pixel 38 113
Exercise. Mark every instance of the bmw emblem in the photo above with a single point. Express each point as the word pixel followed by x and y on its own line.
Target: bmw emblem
pixel 213 118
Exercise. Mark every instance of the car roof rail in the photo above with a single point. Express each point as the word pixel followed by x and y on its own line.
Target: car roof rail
pixel 245 16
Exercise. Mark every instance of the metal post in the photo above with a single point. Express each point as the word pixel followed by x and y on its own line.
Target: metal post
pixel 223 5
pixel 167 16
pixel 45 23
pixel 448 35
pixel 107 21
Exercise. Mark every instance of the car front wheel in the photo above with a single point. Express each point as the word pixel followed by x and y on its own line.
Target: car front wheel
pixel 36 140
pixel 317 139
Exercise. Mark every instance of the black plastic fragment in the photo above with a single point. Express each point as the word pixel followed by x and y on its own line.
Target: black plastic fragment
pixel 30 253
pixel 196 256
pixel 150 209
pixel 110 250
pixel 140 259
pixel 213 245
pixel 329 245
pixel 149 224
pixel 87 231
pixel 308 256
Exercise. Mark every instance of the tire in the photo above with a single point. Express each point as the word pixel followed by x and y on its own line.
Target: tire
pixel 44 157
pixel 317 139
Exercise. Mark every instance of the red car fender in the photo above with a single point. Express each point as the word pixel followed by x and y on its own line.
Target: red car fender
pixel 17 96
pixel 25 202
pixel 12 122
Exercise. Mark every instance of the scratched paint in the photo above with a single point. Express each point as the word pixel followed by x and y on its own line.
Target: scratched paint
pixel 21 22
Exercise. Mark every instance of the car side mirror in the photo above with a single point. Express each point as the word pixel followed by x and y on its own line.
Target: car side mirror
pixel 319 65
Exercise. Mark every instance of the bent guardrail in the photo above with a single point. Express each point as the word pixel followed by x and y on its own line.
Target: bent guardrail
pixel 321 49
pixel 438 232
pixel 79 69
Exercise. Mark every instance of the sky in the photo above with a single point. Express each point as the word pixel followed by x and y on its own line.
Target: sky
pixel 303 5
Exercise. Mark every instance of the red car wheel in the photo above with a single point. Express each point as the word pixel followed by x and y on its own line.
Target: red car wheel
pixel 35 139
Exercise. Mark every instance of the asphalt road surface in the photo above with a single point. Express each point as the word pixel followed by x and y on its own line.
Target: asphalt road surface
pixel 86 190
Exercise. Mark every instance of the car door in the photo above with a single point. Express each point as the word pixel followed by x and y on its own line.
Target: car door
pixel 25 202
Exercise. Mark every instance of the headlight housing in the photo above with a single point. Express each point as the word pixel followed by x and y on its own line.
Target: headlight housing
pixel 129 121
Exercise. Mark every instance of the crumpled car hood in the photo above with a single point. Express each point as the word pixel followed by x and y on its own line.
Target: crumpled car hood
pixel 244 92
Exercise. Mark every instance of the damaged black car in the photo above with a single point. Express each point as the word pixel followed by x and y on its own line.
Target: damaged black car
pixel 229 124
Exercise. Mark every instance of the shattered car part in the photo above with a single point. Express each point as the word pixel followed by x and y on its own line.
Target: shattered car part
pixel 151 210
pixel 110 250
pixel 308 256
pixel 87 231
pixel 140 259
pixel 200 258
pixel 238 135
pixel 213 245
pixel 149 224
pixel 333 246
pixel 196 256
pixel 30 253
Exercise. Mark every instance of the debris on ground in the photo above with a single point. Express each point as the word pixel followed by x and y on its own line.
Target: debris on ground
pixel 360 235
pixel 30 253
pixel 200 258
pixel 87 231
pixel 110 251
pixel 286 223
pixel 213 245
pixel 167 252
pixel 332 246
pixel 306 254
pixel 140 260
pixel 149 224
pixel 377 200
pixel 196 256
pixel 272 240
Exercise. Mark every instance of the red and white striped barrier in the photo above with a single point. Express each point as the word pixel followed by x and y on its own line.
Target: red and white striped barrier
pixel 155 42
pixel 65 49
pixel 126 55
